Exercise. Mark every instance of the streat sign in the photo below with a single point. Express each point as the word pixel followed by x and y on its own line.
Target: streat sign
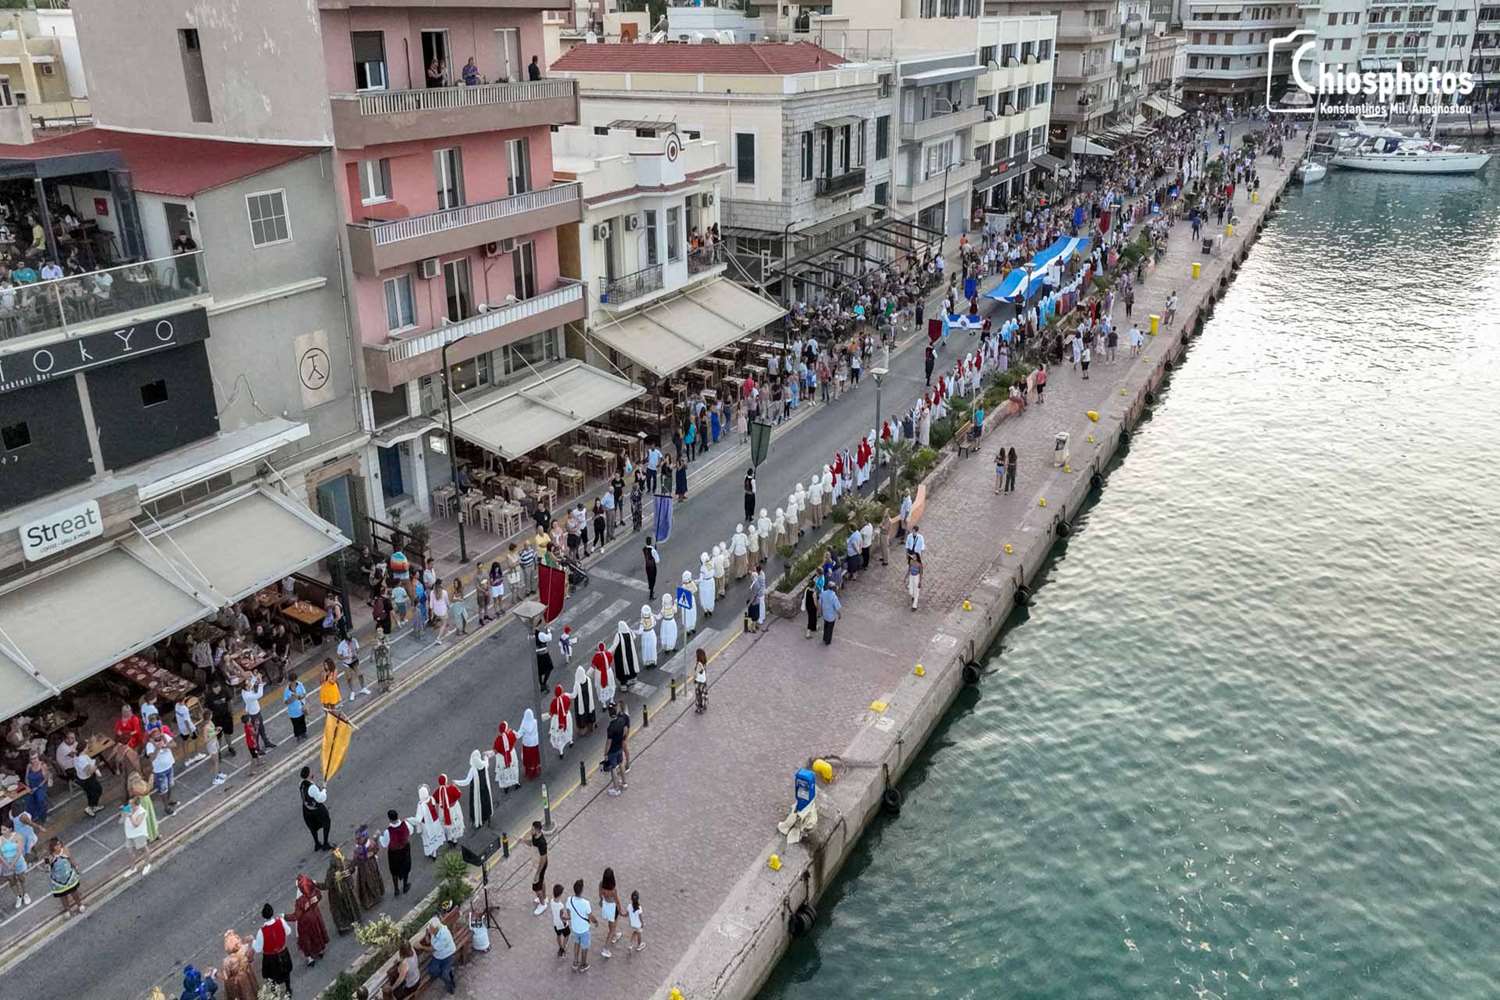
pixel 1366 92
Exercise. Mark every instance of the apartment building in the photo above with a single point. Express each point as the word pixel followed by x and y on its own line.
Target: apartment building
pixel 1229 56
pixel 1085 70
pixel 809 135
pixel 646 250
pixel 1484 56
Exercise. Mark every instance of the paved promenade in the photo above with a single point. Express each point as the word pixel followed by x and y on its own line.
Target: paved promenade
pixel 693 832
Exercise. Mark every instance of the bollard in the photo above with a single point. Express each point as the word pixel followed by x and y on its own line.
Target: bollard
pixel 547 826
pixel 583 776
pixel 1228 229
pixel 672 687
pixel 1156 322
pixel 505 846
pixel 645 715
pixel 1197 270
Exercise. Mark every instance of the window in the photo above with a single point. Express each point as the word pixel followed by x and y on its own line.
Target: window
pixel 938 156
pixel 15 436
pixel 807 156
pixel 844 132
pixel 883 193
pixel 1041 93
pixel 1346 43
pixel 268 222
pixel 744 158
pixel 448 171
pixel 825 137
pixel 986 54
pixel 518 164
pixel 523 270
pixel 529 352
pixel 193 75
pixel 1026 49
pixel 470 374
pixel 1007 54
pixel 859 145
pixel 374 181
pixel 1197 38
pixel 1327 44
pixel 674 233
pixel 1333 19
pixel 459 288
pixel 1044 50
pixel 1038 136
pixel 1224 63
pixel 653 254
pixel 882 137
pixel 369 60
pixel 400 305
pixel 982 154
pixel 154 393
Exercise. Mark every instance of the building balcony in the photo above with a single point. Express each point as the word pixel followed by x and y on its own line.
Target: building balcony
pixel 1087 34
pixel 711 257
pixel 1069 71
pixel 376 245
pixel 542 5
pixel 404 357
pixel 1133 28
pixel 47 311
pixel 850 180
pixel 960 178
pixel 376 117
pixel 1067 111
pixel 619 292
pixel 1377 27
pixel 941 124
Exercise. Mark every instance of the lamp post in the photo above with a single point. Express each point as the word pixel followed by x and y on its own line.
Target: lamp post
pixel 463 549
pixel 949 167
pixel 878 374
pixel 786 291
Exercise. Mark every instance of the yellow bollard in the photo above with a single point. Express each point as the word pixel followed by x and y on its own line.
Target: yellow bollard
pixel 1156 319
pixel 1197 269
pixel 1255 197
pixel 1228 229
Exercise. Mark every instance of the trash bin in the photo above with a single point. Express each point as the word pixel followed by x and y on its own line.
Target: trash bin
pixel 1060 449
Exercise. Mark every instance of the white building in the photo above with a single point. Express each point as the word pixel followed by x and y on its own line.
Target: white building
pixel 660 300
pixel 1229 55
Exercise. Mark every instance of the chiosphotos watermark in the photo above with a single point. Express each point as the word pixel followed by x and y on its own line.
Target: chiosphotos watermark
pixel 1366 91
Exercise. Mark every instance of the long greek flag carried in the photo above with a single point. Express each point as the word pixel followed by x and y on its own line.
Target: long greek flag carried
pixel 663 529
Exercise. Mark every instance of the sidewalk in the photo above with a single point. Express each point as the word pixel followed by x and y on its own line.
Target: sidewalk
pixel 694 830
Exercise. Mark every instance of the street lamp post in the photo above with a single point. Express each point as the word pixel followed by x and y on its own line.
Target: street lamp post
pixel 463 549
pixel 786 292
pixel 949 167
pixel 879 375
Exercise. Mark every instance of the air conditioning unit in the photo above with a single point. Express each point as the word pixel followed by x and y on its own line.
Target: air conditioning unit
pixel 492 249
pixel 992 65
pixel 601 231
pixel 508 245
pixel 429 268
pixel 708 198
pixel 632 223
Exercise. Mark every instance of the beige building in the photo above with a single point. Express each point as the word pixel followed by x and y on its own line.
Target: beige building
pixel 36 55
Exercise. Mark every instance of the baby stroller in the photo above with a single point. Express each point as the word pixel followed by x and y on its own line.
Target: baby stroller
pixel 577 575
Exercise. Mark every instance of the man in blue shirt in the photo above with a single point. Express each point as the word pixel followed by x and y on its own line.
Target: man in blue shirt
pixel 830 607
pixel 295 700
pixel 653 460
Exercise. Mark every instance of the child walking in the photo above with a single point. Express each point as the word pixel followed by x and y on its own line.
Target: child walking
pixel 633 914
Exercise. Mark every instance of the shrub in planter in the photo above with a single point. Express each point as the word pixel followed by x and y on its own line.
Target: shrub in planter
pixel 453 877
pixel 342 988
pixel 381 935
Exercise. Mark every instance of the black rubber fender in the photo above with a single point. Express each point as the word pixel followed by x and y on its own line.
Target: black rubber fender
pixel 1096 482
pixel 1023 596
pixel 1064 529
pixel 1150 397
pixel 802 919
pixel 971 674
pixel 890 801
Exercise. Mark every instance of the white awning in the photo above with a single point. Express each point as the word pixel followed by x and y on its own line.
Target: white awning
pixel 1173 111
pixel 231 549
pixel 1157 104
pixel 933 76
pixel 74 621
pixel 403 430
pixel 517 419
pixel 677 331
pixel 1048 162
pixel 1084 146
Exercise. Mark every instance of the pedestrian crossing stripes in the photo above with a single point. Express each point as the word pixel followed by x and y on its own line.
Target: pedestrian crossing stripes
pixel 619 578
pixel 572 611
pixel 608 617
pixel 682 661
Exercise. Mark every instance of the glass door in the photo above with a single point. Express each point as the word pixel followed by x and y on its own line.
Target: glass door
pixel 448 172
pixel 456 280
pixel 523 268
pixel 508 41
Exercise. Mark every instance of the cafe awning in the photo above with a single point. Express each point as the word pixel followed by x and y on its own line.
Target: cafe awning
pixel 231 549
pixel 71 623
pixel 1084 146
pixel 520 418
pixel 677 331
pixel 1157 104
pixel 1173 111
pixel 1048 162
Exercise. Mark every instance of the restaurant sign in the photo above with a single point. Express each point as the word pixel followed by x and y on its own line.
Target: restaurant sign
pixel 33 366
pixel 61 529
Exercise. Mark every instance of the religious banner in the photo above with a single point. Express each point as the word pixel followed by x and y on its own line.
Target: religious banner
pixel 337 731
pixel 663 528
pixel 552 586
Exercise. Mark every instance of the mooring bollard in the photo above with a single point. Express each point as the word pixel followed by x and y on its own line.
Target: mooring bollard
pixel 546 810
pixel 645 715
pixel 583 776
pixel 672 687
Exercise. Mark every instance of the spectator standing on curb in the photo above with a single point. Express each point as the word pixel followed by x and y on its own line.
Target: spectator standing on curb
pixel 13 865
pixel 559 924
pixel 637 925
pixel 163 767
pixel 251 694
pixel 999 471
pixel 295 700
pixel 134 819
pixel 538 841
pixel 830 605
pixel 62 878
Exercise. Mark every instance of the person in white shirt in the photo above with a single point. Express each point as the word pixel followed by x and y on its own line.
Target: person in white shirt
pixel 163 764
pixel 581 917
pixel 1136 339
pixel 250 694
pixel 136 823
pixel 50 271
pixel 915 543
pixel 348 653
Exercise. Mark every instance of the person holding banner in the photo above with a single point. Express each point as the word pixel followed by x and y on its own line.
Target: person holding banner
pixel 315 811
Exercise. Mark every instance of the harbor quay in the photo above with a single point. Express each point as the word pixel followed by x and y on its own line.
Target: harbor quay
pixel 695 832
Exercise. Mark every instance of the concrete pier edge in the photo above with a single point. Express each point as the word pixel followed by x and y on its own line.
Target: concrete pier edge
pixel 736 952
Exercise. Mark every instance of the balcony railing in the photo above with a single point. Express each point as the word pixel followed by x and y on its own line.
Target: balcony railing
pixel 60 305
pixel 399 102
pixel 941 121
pixel 706 257
pixel 631 286
pixel 851 180
pixel 405 348
pixel 386 233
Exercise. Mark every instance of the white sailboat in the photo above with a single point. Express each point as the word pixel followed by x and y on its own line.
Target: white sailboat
pixel 1401 155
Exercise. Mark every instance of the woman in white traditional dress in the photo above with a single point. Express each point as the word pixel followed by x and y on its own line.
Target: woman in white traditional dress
pixel 687 603
pixel 627 665
pixel 507 760
pixel 815 502
pixel 531 746
pixel 778 530
pixel 428 822
pixel 797 512
pixel 603 665
pixel 721 569
pixel 752 544
pixel 739 547
pixel 827 490
pixel 560 727
pixel 647 634
pixel 763 528
pixel 585 704
pixel 481 798
pixel 668 625
pixel 707 593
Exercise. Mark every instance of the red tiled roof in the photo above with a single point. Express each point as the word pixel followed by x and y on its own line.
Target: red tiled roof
pixel 766 58
pixel 169 165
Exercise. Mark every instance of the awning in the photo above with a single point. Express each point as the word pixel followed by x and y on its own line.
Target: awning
pixel 933 76
pixel 403 430
pixel 78 619
pixel 1084 146
pixel 1048 162
pixel 840 121
pixel 517 419
pixel 1173 111
pixel 233 548
pixel 1157 104
pixel 677 331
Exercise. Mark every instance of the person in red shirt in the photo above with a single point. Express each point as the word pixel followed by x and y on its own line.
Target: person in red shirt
pixel 128 731
pixel 251 740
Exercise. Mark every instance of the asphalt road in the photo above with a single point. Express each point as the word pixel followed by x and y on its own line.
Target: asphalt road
pixel 177 915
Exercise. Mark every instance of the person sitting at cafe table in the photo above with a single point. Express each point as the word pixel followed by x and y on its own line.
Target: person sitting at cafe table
pixel 25 274
pixel 50 271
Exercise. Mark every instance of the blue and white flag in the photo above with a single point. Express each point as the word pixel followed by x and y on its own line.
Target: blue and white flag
pixel 663 529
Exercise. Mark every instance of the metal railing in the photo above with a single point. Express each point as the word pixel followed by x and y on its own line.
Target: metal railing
pixel 705 257
pixel 34 307
pixel 396 102
pixel 631 286
pixel 851 180
pixel 567 292
pixel 386 233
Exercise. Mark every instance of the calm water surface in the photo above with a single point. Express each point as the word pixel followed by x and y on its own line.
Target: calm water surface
pixel 1247 742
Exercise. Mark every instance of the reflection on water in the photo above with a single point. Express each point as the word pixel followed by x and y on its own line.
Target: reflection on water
pixel 1244 743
